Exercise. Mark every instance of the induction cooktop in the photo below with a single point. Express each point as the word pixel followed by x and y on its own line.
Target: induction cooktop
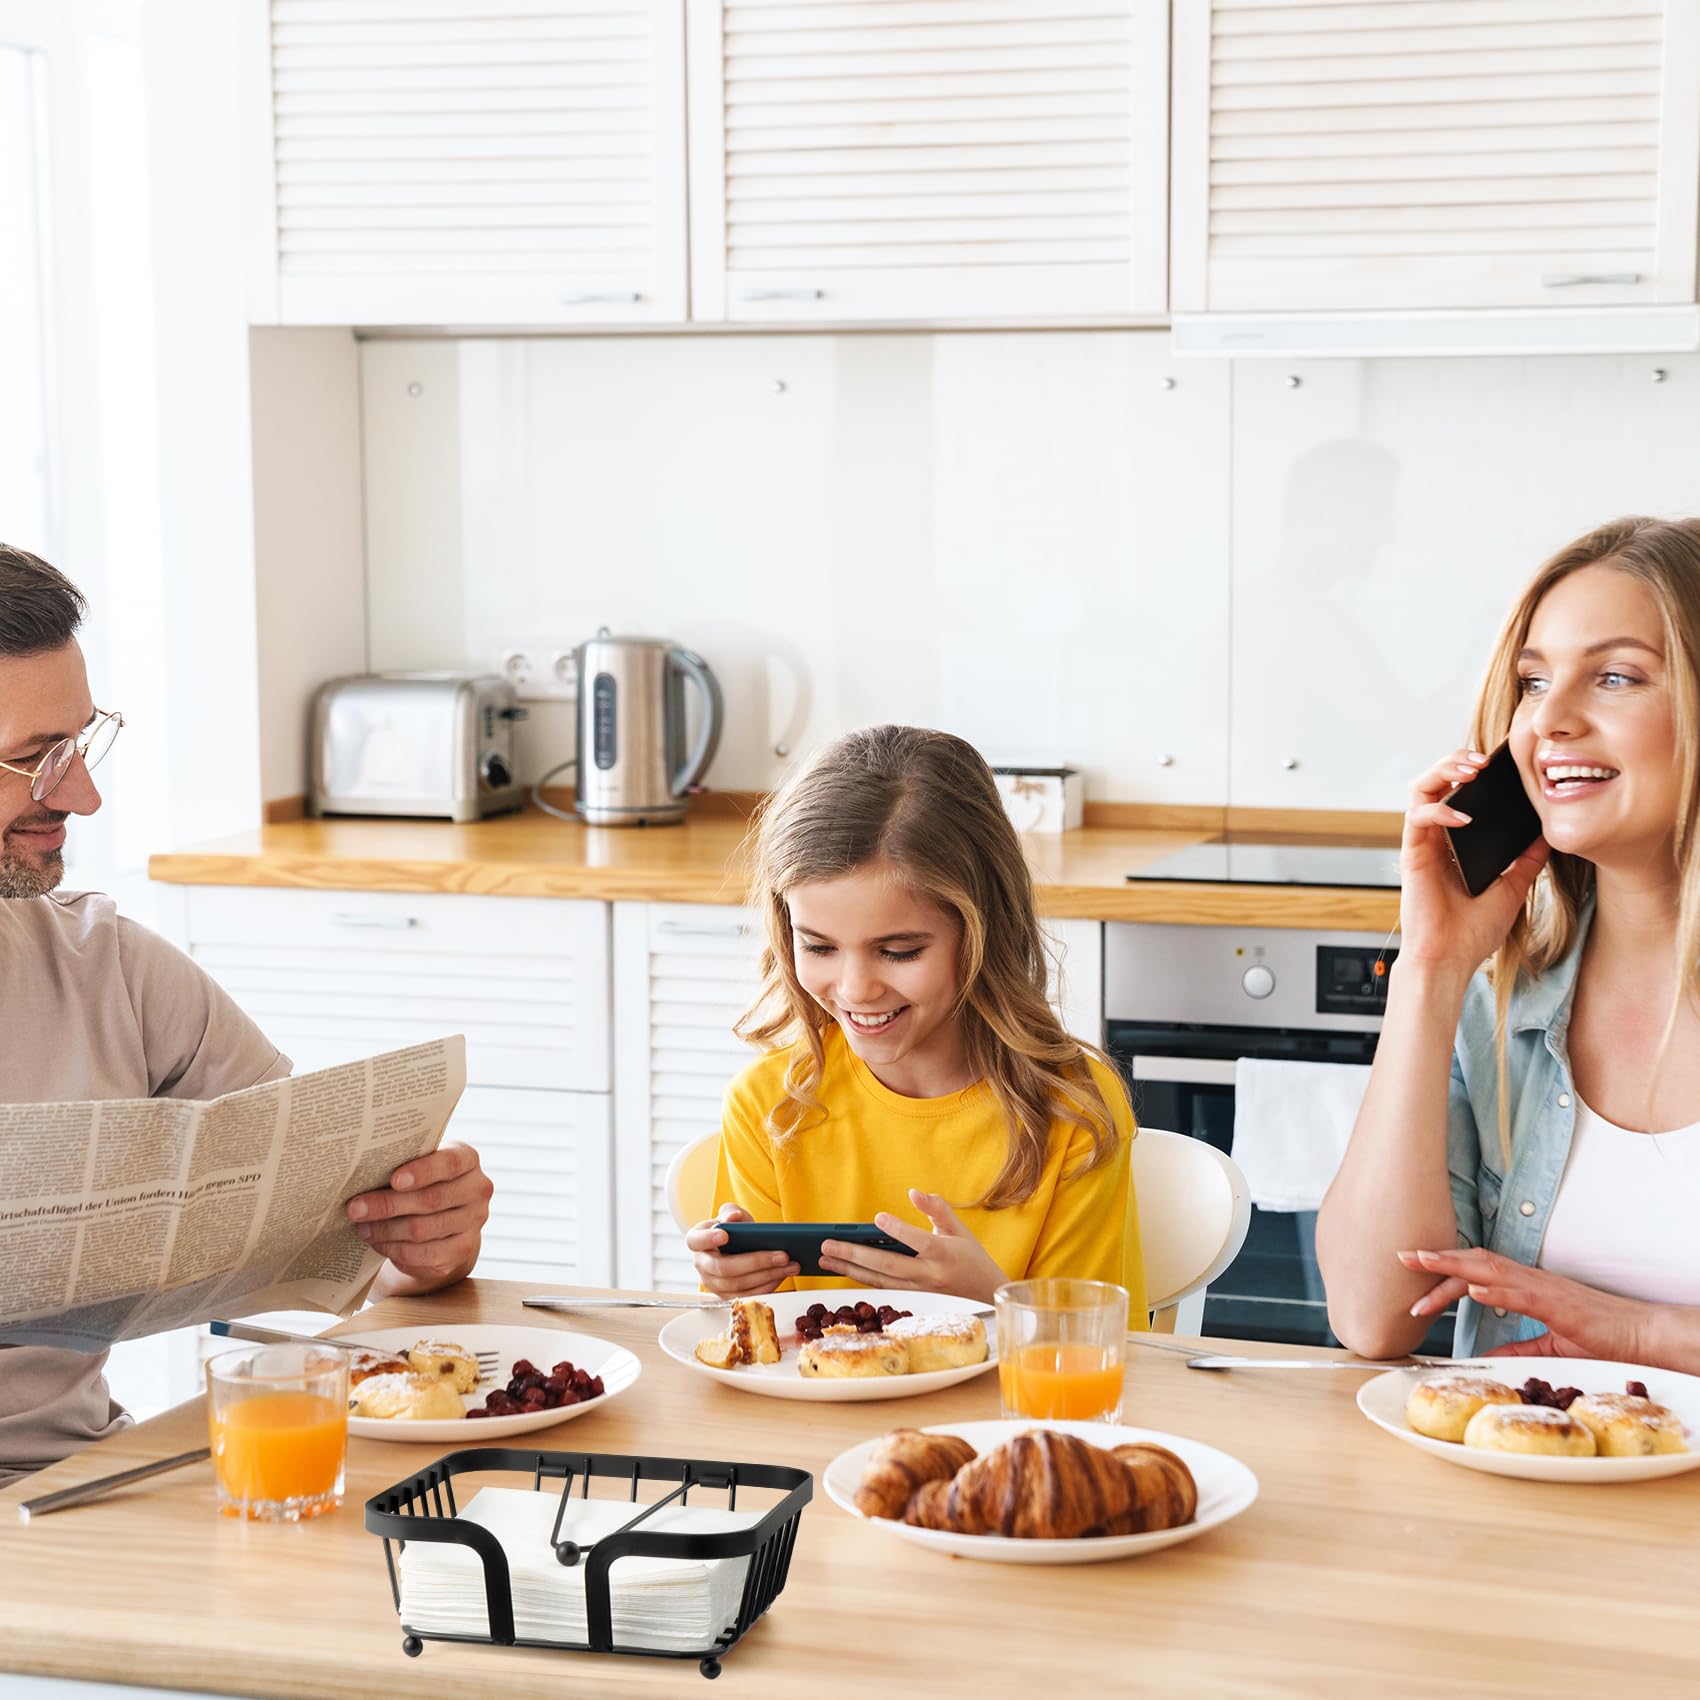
pixel 1341 865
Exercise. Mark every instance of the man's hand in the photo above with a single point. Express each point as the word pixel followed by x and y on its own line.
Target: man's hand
pixel 1582 1322
pixel 429 1221
pixel 948 1260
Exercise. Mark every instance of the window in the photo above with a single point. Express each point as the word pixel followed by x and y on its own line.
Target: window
pixel 26 506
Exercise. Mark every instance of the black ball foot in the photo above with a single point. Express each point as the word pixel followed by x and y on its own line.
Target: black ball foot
pixel 412 1646
pixel 710 1668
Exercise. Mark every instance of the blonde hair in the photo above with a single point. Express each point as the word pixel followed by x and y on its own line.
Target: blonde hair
pixel 926 803
pixel 1663 555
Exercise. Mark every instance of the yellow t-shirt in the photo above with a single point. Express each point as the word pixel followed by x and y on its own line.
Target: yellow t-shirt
pixel 875 1145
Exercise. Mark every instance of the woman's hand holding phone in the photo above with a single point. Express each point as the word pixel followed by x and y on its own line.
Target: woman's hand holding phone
pixel 948 1260
pixel 1440 924
pixel 739 1275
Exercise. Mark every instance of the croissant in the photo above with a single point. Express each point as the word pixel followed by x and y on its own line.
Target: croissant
pixel 904 1461
pixel 1168 1496
pixel 1045 1486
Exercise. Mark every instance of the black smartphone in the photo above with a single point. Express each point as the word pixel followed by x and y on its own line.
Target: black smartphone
pixel 1503 822
pixel 801 1241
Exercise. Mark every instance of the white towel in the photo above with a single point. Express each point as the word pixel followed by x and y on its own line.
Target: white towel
pixel 676 1605
pixel 1291 1124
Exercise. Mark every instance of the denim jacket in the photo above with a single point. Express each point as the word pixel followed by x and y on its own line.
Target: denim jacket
pixel 1506 1209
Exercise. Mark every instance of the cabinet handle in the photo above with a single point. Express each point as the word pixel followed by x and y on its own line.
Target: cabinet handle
pixel 1569 280
pixel 720 930
pixel 783 295
pixel 399 925
pixel 602 297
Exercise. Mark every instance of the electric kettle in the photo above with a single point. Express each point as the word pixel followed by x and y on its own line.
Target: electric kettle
pixel 633 767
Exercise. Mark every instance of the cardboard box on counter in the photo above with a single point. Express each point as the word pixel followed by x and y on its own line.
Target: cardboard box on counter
pixel 1042 799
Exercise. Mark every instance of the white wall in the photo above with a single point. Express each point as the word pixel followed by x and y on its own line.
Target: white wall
pixel 974 531
pixel 309 565
pixel 1026 537
pixel 1385 514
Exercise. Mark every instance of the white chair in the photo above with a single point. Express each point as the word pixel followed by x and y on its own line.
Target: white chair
pixel 1194 1209
pixel 690 1180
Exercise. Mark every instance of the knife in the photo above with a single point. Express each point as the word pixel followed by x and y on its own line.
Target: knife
pixel 1336 1363
pixel 552 1301
pixel 488 1361
pixel 101 1485
pixel 278 1337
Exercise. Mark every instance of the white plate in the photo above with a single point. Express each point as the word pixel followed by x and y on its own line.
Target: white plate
pixel 1382 1400
pixel 781 1380
pixel 544 1346
pixel 1225 1488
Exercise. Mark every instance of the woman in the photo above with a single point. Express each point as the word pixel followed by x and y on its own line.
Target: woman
pixel 1530 1140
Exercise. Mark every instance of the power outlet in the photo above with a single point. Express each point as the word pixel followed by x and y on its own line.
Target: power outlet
pixel 541 672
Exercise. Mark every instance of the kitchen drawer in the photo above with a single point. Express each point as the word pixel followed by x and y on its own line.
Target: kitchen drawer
pixel 398 922
pixel 331 976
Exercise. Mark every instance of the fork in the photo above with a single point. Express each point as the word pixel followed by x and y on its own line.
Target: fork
pixel 489 1363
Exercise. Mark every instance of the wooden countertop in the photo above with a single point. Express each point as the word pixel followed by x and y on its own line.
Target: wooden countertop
pixel 1365 1567
pixel 1080 874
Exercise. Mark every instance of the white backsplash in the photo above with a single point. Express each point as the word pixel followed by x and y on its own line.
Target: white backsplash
pixel 1180 575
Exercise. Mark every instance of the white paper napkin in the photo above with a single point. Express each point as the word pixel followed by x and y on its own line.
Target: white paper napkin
pixel 669 1604
pixel 1291 1124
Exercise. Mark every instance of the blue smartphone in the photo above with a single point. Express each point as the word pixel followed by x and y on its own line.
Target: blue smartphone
pixel 801 1241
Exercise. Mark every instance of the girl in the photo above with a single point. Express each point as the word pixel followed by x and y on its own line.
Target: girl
pixel 911 1051
pixel 1551 1183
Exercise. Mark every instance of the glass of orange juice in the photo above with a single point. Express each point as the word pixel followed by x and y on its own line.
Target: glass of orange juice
pixel 1060 1349
pixel 278 1417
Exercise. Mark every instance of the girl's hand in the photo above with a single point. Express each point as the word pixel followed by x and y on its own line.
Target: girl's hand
pixel 1440 923
pixel 742 1275
pixel 1582 1322
pixel 949 1260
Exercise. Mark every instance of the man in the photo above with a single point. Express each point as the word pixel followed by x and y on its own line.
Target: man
pixel 94 1006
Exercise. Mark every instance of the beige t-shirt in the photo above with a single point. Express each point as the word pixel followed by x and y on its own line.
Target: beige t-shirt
pixel 94 1006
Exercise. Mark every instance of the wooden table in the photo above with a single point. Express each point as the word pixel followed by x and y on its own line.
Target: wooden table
pixel 1365 1567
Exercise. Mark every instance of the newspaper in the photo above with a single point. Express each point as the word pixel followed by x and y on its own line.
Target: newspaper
pixel 132 1216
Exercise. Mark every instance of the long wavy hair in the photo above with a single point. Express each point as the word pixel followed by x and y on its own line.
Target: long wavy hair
pixel 1664 555
pixel 926 803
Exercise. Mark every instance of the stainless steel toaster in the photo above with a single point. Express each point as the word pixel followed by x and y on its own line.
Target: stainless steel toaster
pixel 414 744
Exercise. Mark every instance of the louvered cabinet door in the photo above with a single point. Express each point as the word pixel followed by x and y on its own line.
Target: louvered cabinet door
pixel 1395 154
pixel 334 975
pixel 548 1153
pixel 683 974
pixel 446 161
pixel 877 160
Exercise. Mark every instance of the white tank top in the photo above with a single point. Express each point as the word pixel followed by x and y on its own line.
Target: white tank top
pixel 1625 1213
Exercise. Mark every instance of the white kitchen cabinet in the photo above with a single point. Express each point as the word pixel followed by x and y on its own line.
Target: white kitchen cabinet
pixel 683 974
pixel 1380 154
pixel 429 162
pixel 927 159
pixel 331 976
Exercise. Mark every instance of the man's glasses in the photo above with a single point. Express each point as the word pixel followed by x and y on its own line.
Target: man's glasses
pixel 92 744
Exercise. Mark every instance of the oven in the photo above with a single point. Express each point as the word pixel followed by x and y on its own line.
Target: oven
pixel 1184 1003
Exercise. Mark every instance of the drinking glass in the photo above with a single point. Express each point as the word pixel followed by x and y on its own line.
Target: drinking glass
pixel 278 1420
pixel 1060 1349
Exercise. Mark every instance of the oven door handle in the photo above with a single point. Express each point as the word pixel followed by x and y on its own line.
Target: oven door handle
pixel 1185 1071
